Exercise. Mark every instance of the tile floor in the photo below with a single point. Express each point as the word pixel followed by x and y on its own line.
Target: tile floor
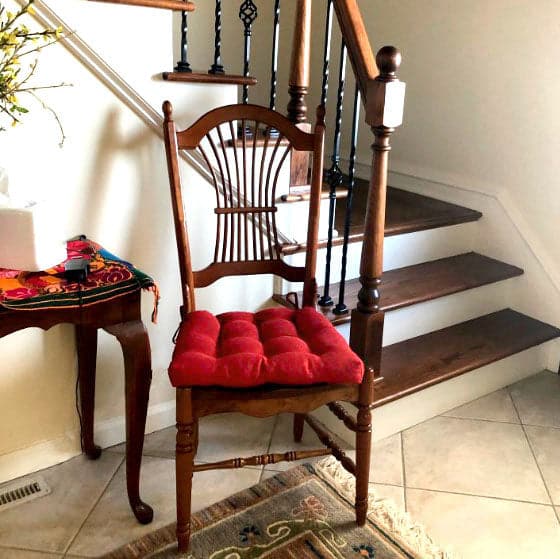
pixel 483 479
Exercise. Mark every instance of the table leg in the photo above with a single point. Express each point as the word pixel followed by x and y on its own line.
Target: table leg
pixel 86 344
pixel 138 375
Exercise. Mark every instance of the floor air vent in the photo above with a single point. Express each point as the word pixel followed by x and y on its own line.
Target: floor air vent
pixel 19 492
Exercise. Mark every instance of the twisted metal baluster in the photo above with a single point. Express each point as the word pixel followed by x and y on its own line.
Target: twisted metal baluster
pixel 327 53
pixel 341 307
pixel 334 176
pixel 183 64
pixel 272 132
pixel 217 67
pixel 274 66
pixel 247 14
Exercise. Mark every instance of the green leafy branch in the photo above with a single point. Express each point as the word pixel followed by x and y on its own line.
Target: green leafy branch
pixel 17 42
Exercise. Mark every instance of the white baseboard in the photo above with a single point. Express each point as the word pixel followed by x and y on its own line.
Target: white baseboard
pixel 112 431
pixel 421 406
pixel 108 432
pixel 39 456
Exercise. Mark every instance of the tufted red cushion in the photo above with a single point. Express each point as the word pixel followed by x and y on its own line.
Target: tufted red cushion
pixel 278 346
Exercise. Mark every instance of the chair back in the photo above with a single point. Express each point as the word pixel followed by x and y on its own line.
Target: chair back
pixel 245 169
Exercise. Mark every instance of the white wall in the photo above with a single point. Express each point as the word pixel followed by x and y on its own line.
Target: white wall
pixel 110 182
pixel 482 102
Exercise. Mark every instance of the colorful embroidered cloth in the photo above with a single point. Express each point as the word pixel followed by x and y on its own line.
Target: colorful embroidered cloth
pixel 108 277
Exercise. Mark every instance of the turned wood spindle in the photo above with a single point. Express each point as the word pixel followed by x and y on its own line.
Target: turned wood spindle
pixel 384 109
pixel 298 89
pixel 300 63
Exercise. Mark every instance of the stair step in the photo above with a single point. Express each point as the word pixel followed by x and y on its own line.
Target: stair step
pixel 426 281
pixel 407 212
pixel 420 362
pixel 205 77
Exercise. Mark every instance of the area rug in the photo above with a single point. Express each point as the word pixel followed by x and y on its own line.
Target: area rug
pixel 304 513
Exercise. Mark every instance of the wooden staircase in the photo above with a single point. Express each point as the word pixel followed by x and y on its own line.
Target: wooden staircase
pixel 431 358
pixel 417 363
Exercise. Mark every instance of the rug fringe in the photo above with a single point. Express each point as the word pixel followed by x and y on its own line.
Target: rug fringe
pixel 384 512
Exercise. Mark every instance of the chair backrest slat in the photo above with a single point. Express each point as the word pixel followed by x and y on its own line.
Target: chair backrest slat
pixel 245 173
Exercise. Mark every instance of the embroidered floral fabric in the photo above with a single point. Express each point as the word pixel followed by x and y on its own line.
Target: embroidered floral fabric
pixel 109 277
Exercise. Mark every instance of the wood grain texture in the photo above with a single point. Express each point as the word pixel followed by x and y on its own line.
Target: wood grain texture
pixel 406 212
pixel 201 77
pixel 176 5
pixel 120 317
pixel 357 41
pixel 246 240
pixel 407 286
pixel 420 362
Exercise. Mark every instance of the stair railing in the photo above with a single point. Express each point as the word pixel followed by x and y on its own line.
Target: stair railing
pixel 382 95
pixel 383 98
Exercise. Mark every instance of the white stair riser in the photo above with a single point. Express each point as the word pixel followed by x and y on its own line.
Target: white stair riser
pixel 421 406
pixel 399 251
pixel 442 312
pixel 292 219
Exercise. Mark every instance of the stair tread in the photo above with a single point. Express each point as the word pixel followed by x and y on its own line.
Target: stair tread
pixel 423 282
pixel 406 212
pixel 417 363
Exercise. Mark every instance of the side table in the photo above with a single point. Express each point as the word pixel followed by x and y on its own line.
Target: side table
pixel 110 300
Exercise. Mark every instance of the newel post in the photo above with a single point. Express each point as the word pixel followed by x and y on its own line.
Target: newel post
pixel 384 112
pixel 299 86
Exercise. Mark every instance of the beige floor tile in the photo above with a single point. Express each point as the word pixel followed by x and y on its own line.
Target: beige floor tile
pixel 160 444
pixel 221 436
pixel 111 524
pixel 24 554
pixel 386 461
pixel 494 407
pixel 482 528
pixel 233 435
pixel 48 524
pixel 546 446
pixel 213 486
pixel 283 440
pixel 537 399
pixel 475 457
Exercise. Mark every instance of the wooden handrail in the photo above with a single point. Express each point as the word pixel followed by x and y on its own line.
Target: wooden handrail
pixel 177 5
pixel 357 42
pixel 383 98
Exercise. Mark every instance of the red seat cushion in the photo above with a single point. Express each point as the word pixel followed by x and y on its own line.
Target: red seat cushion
pixel 277 346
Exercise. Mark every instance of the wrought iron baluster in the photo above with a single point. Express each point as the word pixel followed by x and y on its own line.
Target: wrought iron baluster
pixel 272 132
pixel 247 14
pixel 327 53
pixel 334 175
pixel 183 64
pixel 217 67
pixel 341 307
pixel 274 66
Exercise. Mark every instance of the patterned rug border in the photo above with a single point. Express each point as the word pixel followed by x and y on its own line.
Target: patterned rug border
pixel 395 523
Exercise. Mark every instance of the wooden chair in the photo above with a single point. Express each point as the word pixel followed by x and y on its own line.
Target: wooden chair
pixel 277 360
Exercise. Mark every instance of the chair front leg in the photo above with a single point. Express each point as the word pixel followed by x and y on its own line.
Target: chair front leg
pixel 187 434
pixel 363 446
